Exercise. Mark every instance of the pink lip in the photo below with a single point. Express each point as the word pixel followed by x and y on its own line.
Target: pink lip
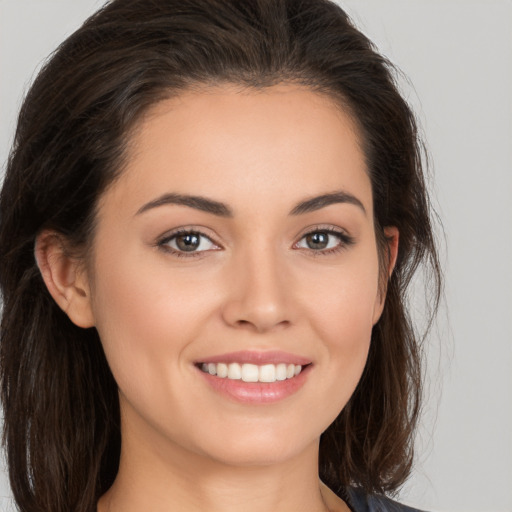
pixel 257 392
pixel 257 357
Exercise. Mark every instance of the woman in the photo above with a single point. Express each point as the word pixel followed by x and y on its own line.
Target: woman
pixel 210 216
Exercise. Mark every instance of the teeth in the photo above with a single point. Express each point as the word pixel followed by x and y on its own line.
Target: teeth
pixel 252 372
pixel 281 371
pixel 234 371
pixel 222 370
pixel 267 373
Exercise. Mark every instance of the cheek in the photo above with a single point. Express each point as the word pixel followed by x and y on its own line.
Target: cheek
pixel 341 308
pixel 345 325
pixel 342 300
pixel 145 319
pixel 150 318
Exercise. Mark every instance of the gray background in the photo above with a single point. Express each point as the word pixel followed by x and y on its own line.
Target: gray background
pixel 457 55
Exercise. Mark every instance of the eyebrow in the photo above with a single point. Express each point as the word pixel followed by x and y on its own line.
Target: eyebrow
pixel 197 202
pixel 319 202
pixel 222 210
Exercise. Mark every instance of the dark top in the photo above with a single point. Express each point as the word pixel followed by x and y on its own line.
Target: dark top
pixel 358 501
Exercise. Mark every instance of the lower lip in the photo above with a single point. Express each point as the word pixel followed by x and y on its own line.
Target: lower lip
pixel 257 392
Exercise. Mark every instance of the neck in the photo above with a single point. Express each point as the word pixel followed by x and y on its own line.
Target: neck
pixel 173 479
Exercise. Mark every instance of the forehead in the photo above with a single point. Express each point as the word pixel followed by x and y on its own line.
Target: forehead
pixel 278 144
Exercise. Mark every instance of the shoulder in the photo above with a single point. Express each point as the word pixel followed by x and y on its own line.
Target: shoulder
pixel 359 501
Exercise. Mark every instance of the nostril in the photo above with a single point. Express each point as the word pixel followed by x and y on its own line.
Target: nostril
pixel 256 313
pixel 261 325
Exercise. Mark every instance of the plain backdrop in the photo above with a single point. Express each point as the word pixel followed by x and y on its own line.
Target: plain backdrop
pixel 457 55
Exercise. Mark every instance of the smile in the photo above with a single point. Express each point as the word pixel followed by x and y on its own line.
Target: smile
pixel 255 376
pixel 251 372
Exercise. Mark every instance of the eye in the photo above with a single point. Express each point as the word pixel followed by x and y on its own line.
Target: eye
pixel 184 242
pixel 325 240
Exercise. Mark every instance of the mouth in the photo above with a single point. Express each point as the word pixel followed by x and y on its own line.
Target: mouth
pixel 255 377
pixel 248 372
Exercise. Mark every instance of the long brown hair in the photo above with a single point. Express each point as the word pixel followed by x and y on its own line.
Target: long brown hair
pixel 60 402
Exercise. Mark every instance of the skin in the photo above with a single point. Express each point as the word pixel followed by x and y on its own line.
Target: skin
pixel 257 285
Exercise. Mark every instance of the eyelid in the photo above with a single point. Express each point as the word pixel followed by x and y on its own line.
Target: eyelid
pixel 346 240
pixel 326 228
pixel 164 239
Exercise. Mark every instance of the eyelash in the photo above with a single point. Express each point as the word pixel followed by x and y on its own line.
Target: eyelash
pixel 345 241
pixel 162 243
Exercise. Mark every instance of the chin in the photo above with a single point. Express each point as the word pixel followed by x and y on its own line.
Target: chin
pixel 261 457
pixel 261 448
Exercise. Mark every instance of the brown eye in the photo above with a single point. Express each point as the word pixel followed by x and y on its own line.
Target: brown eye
pixel 187 242
pixel 317 240
pixel 325 241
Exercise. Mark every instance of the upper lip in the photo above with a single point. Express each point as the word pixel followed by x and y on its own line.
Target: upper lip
pixel 257 357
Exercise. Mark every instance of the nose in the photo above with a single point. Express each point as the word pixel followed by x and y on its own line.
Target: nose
pixel 259 293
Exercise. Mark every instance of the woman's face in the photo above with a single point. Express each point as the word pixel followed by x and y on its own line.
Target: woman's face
pixel 239 240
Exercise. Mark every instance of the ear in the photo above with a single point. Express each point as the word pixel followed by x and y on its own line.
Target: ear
pixel 392 236
pixel 65 277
